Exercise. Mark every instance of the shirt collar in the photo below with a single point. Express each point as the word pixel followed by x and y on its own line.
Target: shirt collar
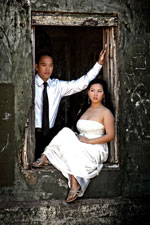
pixel 39 81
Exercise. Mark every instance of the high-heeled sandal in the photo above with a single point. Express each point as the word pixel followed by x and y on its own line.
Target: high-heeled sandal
pixel 40 162
pixel 76 192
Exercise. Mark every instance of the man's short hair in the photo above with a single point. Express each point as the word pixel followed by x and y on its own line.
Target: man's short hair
pixel 43 53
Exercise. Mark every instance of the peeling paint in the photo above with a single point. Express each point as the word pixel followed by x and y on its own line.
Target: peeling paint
pixel 6 116
pixel 7 143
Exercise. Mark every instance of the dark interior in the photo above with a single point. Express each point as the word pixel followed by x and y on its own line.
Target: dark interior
pixel 75 50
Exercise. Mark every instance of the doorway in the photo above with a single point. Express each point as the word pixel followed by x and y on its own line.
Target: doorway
pixel 75 41
pixel 75 50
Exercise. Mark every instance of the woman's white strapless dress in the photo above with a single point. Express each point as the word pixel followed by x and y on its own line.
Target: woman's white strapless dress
pixel 71 156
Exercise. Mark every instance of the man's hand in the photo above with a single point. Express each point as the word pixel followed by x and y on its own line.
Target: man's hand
pixel 101 55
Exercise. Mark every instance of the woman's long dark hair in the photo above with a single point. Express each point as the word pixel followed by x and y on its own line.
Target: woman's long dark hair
pixel 87 104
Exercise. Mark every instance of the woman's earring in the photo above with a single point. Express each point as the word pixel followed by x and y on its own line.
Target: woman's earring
pixel 88 101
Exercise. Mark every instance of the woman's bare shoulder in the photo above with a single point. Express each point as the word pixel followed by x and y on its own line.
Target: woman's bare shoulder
pixel 107 112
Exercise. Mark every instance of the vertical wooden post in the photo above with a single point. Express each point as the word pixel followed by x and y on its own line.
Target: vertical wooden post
pixel 28 154
pixel 110 76
pixel 106 59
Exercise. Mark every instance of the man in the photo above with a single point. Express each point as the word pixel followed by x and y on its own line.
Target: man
pixel 51 92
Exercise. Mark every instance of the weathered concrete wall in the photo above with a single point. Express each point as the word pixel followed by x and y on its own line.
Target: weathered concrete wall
pixel 16 80
pixel 132 180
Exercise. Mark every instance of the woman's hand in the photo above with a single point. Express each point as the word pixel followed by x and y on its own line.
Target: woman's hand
pixel 101 55
pixel 83 139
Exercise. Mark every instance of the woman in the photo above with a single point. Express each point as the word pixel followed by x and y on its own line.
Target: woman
pixel 80 157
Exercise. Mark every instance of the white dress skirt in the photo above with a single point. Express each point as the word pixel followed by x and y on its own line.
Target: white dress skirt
pixel 73 157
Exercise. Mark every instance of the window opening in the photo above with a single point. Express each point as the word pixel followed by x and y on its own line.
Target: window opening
pixel 75 42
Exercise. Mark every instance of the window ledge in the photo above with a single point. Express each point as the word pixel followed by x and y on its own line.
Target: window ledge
pixel 107 166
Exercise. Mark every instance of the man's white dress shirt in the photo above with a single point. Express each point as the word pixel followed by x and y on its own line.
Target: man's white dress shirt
pixel 56 89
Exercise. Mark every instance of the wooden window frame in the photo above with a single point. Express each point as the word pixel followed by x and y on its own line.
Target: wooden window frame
pixel 109 25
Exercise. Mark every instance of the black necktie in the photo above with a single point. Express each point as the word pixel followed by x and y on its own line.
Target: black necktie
pixel 45 115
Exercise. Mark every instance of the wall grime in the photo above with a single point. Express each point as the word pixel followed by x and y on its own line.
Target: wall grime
pixel 15 71
pixel 116 196
pixel 99 211
pixel 136 123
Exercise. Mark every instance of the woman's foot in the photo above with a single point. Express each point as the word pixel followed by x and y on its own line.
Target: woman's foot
pixel 73 195
pixel 74 191
pixel 43 161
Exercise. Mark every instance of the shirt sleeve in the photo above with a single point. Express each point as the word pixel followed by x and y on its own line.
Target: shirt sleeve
pixel 74 86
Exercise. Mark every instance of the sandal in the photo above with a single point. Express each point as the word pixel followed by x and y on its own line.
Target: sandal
pixel 77 192
pixel 40 162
